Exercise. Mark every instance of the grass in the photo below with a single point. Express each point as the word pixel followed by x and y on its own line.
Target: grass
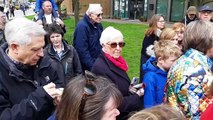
pixel 133 36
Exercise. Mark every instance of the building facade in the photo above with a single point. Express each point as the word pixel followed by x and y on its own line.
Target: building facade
pixel 173 10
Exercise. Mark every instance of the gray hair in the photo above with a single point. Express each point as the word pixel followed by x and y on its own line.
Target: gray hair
pixel 109 34
pixel 199 36
pixel 93 8
pixel 21 30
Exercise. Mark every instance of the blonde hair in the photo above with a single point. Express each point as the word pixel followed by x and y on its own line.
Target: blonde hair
pixel 160 112
pixel 166 49
pixel 167 34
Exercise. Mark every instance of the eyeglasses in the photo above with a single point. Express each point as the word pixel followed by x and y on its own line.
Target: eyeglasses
pixel 179 32
pixel 98 15
pixel 89 89
pixel 114 44
pixel 191 14
pixel 206 12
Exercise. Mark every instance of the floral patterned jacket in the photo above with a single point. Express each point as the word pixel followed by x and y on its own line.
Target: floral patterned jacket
pixel 188 81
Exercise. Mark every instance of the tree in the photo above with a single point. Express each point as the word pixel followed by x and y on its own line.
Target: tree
pixel 199 2
pixel 58 2
pixel 76 10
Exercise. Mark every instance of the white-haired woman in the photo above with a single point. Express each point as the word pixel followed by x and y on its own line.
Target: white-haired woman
pixel 112 65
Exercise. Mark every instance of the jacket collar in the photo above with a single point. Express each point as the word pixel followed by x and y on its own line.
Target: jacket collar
pixel 52 52
pixel 87 19
pixel 12 67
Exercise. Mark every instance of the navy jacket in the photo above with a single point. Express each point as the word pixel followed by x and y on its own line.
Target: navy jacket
pixel 155 81
pixel 22 96
pixel 69 60
pixel 86 41
pixel 107 69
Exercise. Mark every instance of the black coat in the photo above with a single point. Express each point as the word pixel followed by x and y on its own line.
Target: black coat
pixel 22 96
pixel 106 68
pixel 147 41
pixel 69 60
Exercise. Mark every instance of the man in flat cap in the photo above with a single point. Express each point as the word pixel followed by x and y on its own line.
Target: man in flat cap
pixel 205 13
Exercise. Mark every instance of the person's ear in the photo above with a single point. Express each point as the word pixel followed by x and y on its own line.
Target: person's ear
pixel 15 47
pixel 160 60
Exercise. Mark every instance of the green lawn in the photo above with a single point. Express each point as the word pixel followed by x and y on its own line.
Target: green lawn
pixel 133 36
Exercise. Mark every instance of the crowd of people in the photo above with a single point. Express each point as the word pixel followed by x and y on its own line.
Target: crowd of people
pixel 43 77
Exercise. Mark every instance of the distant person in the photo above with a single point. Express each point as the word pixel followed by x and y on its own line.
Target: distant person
pixel 156 69
pixel 40 12
pixel 12 9
pixel 191 15
pixel 2 27
pixel 112 65
pixel 23 9
pixel 87 34
pixel 179 29
pixel 63 53
pixel 205 13
pixel 28 79
pixel 160 112
pixel 89 97
pixel 156 25
pixel 6 11
pixel 48 17
pixel 190 76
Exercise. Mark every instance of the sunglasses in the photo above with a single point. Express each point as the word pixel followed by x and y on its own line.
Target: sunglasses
pixel 192 14
pixel 98 15
pixel 114 44
pixel 89 89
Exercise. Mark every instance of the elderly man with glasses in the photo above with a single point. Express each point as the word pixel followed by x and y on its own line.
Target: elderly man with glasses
pixel 87 34
pixel 205 13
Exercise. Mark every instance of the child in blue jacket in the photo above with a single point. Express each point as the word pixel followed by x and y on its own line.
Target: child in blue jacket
pixel 156 69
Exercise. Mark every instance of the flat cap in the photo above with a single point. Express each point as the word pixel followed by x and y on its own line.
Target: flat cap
pixel 206 8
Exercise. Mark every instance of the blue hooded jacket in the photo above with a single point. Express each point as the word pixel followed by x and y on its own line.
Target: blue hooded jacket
pixel 155 81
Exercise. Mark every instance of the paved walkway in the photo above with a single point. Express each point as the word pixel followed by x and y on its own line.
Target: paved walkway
pixel 124 21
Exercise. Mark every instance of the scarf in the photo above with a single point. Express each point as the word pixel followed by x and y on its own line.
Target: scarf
pixel 119 62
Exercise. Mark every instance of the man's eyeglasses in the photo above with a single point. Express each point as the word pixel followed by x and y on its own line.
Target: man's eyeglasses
pixel 98 15
pixel 89 89
pixel 114 44
pixel 191 14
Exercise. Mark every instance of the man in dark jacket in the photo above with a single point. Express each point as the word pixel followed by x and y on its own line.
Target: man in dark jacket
pixel 28 80
pixel 87 34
